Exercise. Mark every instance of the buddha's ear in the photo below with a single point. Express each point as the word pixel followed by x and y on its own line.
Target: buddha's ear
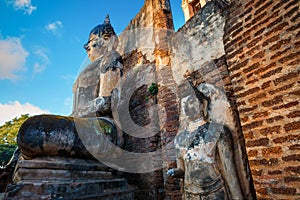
pixel 112 43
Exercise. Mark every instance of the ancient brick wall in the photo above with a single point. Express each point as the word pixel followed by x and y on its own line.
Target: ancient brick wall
pixel 262 41
pixel 141 46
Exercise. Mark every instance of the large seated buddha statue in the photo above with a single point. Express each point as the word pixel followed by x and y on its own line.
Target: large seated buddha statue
pixel 57 157
pixel 58 135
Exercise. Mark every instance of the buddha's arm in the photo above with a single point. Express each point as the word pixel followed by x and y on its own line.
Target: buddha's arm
pixel 226 153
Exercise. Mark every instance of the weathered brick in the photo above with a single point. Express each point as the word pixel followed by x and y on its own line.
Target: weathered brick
pixel 232 42
pixel 247 34
pixel 294 147
pixel 252 125
pixel 286 77
pixel 251 67
pixel 235 27
pixel 295 62
pixel 297 44
pixel 270 40
pixel 251 81
pixel 272 72
pixel 272 102
pixel 295 157
pixel 263 7
pixel 266 85
pixel 279 5
pixel 265 162
pixel 260 114
pixel 259 3
pixel 259 54
pixel 289 57
pixel 275 172
pixel 257 18
pixel 284 191
pixel 244 119
pixel 271 151
pixel 274 119
pixel 294 169
pixel 248 4
pixel 249 135
pixel 257 172
pixel 289 138
pixel 257 97
pixel 291 3
pixel 260 31
pixel 252 153
pixel 238 88
pixel 275 47
pixel 259 142
pixel 239 65
pixel 280 53
pixel 281 89
pixel 294 19
pixel 252 51
pixel 291 179
pixel 233 54
pixel 270 130
pixel 262 191
pixel 277 28
pixel 292 126
pixel 293 28
pixel 236 32
pixel 291 12
pixel 248 92
pixel 288 105
pixel 248 18
pixel 254 42
pixel 240 103
pixel 247 11
pixel 278 20
pixel 294 114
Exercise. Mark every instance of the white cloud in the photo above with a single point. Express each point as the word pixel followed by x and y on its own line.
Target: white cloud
pixel 24 5
pixel 54 27
pixel 12 58
pixel 15 109
pixel 43 61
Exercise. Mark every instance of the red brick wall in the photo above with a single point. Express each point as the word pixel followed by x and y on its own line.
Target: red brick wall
pixel 262 41
pixel 156 16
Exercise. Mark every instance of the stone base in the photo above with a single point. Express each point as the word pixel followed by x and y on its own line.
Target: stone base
pixel 102 189
pixel 65 178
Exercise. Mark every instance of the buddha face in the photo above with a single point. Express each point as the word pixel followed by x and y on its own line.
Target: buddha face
pixel 98 46
pixel 95 47
pixel 193 108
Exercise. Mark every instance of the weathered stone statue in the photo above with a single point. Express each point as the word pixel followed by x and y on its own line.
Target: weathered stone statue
pixel 99 78
pixel 56 135
pixel 55 161
pixel 205 158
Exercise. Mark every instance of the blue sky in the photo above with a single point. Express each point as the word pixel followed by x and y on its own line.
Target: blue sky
pixel 41 49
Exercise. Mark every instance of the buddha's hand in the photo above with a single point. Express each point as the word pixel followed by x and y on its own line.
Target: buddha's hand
pixel 171 172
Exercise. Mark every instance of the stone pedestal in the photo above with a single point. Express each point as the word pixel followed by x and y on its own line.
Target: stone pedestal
pixel 65 178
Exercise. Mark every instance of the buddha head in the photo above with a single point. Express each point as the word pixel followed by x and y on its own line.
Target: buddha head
pixel 102 39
